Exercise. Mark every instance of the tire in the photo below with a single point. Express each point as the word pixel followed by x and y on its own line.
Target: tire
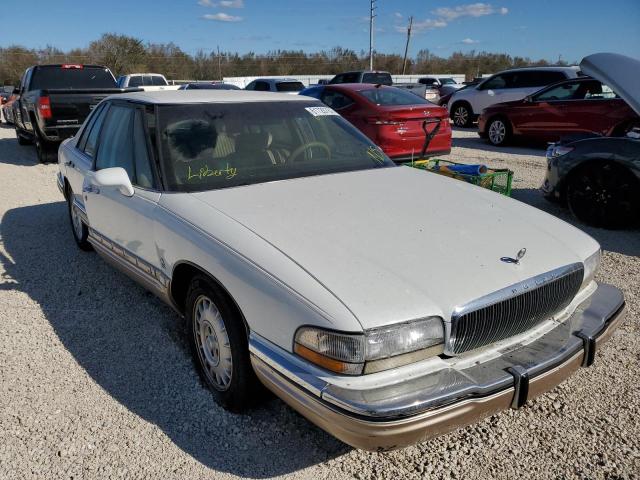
pixel 498 131
pixel 22 138
pixel 78 228
pixel 219 346
pixel 46 151
pixel 462 115
pixel 604 195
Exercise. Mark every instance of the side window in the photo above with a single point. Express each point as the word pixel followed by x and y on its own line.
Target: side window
pixel 251 86
pixel 547 78
pixel 89 141
pixel 566 91
pixel 135 81
pixel 262 86
pixel 336 100
pixel 147 80
pixel 157 80
pixel 115 149
pixel 143 172
pixel 494 83
pixel 338 79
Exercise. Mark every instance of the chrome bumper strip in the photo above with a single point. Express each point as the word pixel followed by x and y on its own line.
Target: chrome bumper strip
pixel 451 385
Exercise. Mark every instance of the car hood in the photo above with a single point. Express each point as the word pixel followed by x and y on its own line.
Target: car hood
pixel 396 244
pixel 620 72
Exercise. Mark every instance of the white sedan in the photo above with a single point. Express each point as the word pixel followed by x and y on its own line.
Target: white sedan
pixel 384 303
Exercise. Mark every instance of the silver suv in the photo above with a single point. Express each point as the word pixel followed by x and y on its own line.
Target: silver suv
pixel 466 105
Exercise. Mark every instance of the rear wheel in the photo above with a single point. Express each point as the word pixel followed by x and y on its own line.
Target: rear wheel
pixel 604 195
pixel 462 115
pixel 46 151
pixel 23 138
pixel 498 132
pixel 219 345
pixel 78 228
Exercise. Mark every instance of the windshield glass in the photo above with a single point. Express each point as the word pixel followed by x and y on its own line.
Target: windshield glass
pixel 213 146
pixel 381 78
pixel 289 86
pixel 70 78
pixel 391 96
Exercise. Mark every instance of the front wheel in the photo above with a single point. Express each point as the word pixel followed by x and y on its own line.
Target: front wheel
pixel 462 115
pixel 604 195
pixel 219 345
pixel 498 132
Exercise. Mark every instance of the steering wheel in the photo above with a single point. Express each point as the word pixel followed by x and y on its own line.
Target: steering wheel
pixel 308 146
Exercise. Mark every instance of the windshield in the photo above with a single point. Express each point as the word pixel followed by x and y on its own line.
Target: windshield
pixel 289 86
pixel 71 78
pixel 214 146
pixel 391 96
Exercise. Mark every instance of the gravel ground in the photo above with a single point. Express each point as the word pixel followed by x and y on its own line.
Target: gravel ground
pixel 96 379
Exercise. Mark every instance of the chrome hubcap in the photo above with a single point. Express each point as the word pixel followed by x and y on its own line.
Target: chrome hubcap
pixel 76 221
pixel 497 132
pixel 214 348
pixel 460 116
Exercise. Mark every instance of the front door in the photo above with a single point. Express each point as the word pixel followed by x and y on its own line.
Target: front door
pixel 122 225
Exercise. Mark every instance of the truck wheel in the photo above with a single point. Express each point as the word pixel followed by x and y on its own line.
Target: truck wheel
pixel 78 228
pixel 498 131
pixel 23 139
pixel 604 195
pixel 219 345
pixel 462 115
pixel 45 150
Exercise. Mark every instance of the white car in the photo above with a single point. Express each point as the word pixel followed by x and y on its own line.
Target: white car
pixel 272 225
pixel 282 85
pixel 467 104
pixel 149 82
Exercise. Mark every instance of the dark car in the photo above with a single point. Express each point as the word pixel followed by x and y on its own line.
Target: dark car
pixel 572 107
pixel 208 86
pixel 55 100
pixel 393 118
pixel 599 177
pixel 363 76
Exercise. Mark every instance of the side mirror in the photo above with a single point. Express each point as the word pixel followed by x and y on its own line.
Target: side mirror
pixel 115 177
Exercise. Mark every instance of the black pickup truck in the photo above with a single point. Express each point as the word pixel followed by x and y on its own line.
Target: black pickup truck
pixel 55 100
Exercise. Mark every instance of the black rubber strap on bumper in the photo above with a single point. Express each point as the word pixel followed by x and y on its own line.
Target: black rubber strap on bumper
pixel 589 345
pixel 520 384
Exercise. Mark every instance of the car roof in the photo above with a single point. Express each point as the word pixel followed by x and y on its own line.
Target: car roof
pixel 178 97
pixel 132 74
pixel 276 80
pixel 545 68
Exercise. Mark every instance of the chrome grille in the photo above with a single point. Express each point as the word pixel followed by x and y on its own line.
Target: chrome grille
pixel 513 310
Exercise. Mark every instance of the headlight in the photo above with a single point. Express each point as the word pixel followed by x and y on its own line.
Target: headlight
pixel 560 150
pixel 374 350
pixel 591 265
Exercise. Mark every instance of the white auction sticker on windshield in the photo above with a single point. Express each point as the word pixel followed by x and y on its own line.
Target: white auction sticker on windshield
pixel 321 111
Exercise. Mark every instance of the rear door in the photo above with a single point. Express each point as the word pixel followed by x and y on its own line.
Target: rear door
pixel 125 223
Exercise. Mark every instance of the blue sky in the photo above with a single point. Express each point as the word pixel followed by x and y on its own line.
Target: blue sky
pixel 538 29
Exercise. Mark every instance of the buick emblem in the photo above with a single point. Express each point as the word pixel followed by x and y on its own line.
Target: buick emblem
pixel 516 260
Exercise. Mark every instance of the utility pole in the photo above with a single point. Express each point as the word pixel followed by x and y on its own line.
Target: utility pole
pixel 406 48
pixel 219 64
pixel 372 8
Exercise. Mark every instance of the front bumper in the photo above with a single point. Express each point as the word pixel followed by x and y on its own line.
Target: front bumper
pixel 423 406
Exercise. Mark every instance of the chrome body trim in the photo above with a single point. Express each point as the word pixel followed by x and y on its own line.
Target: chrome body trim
pixel 143 271
pixel 451 384
pixel 512 310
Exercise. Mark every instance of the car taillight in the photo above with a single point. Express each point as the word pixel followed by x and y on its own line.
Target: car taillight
pixel 382 121
pixel 73 65
pixel 44 107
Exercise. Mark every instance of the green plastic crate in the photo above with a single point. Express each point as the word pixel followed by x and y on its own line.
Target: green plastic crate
pixel 497 179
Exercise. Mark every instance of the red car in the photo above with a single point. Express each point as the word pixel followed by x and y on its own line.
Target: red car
pixel 394 119
pixel 571 107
